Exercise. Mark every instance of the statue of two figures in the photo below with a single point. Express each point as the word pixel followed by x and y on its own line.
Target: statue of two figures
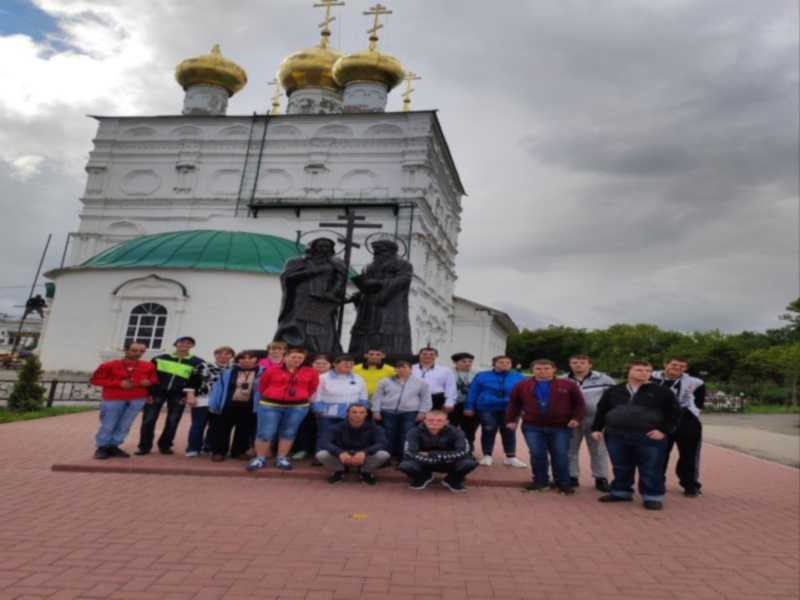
pixel 315 287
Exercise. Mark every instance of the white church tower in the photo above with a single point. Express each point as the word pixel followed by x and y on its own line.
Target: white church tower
pixel 160 187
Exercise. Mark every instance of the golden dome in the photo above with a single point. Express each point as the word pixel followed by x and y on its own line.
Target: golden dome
pixel 310 67
pixel 211 69
pixel 368 65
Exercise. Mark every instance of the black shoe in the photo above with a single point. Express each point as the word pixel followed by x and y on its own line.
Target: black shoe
pixel 368 478
pixel 535 486
pixel 601 484
pixel 336 477
pixel 316 463
pixel 140 452
pixel 573 481
pixel 653 505
pixel 102 454
pixel 692 492
pixel 567 490
pixel 420 484
pixel 613 498
pixel 453 486
pixel 117 452
pixel 166 451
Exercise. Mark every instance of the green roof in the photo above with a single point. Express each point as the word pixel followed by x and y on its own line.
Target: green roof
pixel 200 249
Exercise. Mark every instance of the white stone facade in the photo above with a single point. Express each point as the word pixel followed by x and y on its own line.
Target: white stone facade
pixel 150 175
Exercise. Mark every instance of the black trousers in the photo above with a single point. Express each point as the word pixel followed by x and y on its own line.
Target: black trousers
pixel 150 414
pixel 456 471
pixel 688 437
pixel 469 425
pixel 438 401
pixel 236 417
pixel 306 438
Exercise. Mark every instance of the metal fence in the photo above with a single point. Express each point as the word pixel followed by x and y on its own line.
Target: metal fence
pixel 58 390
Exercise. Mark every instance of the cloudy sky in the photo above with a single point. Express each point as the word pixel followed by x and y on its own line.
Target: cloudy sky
pixel 626 161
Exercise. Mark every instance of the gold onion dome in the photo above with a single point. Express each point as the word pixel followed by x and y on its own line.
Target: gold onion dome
pixel 310 67
pixel 211 69
pixel 368 65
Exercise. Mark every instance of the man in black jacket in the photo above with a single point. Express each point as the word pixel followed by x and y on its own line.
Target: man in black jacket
pixel 356 442
pixel 436 446
pixel 636 416
pixel 178 373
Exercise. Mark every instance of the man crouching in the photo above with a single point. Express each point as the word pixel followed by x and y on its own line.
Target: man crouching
pixel 355 442
pixel 434 445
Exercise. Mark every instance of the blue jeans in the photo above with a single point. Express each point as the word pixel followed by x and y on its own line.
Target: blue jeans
pixel 397 426
pixel 280 421
pixel 552 441
pixel 324 424
pixel 116 418
pixel 491 421
pixel 631 451
pixel 199 436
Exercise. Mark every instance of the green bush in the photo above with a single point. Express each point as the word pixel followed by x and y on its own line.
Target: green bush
pixel 28 394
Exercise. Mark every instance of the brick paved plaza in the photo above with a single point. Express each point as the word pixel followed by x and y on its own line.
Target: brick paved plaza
pixel 131 536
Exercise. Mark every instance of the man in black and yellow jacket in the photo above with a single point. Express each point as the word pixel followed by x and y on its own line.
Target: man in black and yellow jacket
pixel 177 372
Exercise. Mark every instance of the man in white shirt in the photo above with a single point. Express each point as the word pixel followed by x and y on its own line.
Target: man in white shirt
pixel 441 380
pixel 338 389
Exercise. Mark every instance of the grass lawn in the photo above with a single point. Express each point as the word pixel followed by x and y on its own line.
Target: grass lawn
pixel 7 416
pixel 770 409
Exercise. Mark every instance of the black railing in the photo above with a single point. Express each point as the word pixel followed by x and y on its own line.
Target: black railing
pixel 58 390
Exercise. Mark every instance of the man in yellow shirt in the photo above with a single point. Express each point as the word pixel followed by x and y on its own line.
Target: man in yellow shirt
pixel 373 369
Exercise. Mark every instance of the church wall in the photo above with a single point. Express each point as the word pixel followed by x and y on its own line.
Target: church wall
pixel 477 332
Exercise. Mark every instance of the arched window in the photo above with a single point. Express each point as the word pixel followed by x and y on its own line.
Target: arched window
pixel 146 325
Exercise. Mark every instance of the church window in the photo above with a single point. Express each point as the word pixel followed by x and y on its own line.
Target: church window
pixel 146 325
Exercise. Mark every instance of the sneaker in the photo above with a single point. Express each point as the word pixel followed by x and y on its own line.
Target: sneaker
pixel 336 477
pixel 573 481
pixel 567 490
pixel 192 454
pixel 283 463
pixel 456 488
pixel 420 484
pixel 117 452
pixel 486 461
pixel 258 463
pixel 316 463
pixel 613 498
pixel 692 492
pixel 141 452
pixel 513 461
pixel 368 478
pixel 166 451
pixel 653 505
pixel 101 454
pixel 536 486
pixel 601 485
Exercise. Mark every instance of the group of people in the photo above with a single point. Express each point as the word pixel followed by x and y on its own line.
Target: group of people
pixel 424 417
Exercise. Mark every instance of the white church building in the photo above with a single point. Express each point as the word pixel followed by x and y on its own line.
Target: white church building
pixel 187 219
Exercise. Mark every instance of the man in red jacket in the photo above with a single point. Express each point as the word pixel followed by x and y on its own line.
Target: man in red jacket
pixel 551 408
pixel 125 384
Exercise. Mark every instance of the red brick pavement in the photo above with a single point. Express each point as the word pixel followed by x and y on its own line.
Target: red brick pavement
pixel 81 535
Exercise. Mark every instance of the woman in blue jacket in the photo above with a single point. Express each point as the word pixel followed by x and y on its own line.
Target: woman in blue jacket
pixel 488 396
pixel 233 399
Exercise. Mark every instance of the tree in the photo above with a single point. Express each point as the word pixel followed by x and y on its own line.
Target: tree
pixel 778 360
pixel 27 394
pixel 792 316
pixel 557 343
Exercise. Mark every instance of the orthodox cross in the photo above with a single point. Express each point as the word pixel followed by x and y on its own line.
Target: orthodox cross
pixel 407 92
pixel 350 224
pixel 377 10
pixel 276 97
pixel 326 32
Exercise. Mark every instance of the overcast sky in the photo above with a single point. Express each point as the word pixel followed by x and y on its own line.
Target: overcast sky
pixel 625 161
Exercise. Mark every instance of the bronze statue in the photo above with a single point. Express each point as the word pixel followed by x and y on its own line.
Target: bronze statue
pixel 313 289
pixel 382 303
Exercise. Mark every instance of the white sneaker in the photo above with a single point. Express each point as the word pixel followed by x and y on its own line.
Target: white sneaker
pixel 486 461
pixel 514 462
pixel 192 454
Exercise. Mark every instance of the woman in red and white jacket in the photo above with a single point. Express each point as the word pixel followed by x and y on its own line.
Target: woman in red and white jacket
pixel 125 384
pixel 285 396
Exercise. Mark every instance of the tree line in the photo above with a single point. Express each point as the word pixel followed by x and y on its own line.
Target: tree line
pixel 762 365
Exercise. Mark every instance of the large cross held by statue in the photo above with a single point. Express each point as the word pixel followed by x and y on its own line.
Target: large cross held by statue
pixel 350 222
